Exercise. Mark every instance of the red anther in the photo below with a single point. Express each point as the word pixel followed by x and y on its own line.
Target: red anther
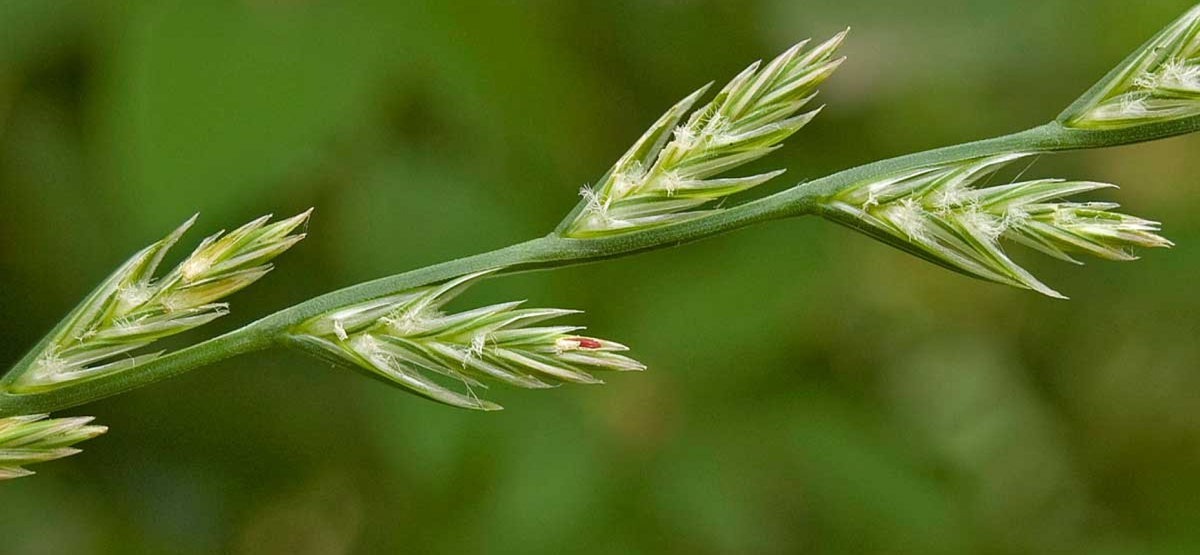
pixel 586 342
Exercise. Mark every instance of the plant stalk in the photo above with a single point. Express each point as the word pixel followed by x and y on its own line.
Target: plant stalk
pixel 554 251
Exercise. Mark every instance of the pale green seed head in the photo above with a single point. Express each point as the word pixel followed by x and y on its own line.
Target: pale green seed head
pixel 1159 83
pixel 407 340
pixel 671 172
pixel 134 307
pixel 946 215
pixel 31 439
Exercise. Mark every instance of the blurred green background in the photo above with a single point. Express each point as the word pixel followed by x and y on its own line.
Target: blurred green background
pixel 810 391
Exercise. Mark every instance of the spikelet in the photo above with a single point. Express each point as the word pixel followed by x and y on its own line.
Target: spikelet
pixel 942 214
pixel 671 173
pixel 406 340
pixel 1161 82
pixel 33 439
pixel 110 331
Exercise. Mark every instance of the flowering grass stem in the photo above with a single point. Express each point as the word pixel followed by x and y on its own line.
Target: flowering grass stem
pixel 554 251
pixel 656 196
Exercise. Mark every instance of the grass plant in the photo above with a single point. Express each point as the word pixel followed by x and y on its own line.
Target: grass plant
pixel 671 187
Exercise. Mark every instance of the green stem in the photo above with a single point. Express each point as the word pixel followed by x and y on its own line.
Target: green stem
pixel 554 251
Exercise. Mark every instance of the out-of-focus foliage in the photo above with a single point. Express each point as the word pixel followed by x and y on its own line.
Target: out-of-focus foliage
pixel 831 396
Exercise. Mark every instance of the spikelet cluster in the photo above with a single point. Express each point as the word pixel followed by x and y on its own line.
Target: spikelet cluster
pixel 133 308
pixel 670 173
pixel 32 439
pixel 1160 83
pixel 944 214
pixel 406 340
